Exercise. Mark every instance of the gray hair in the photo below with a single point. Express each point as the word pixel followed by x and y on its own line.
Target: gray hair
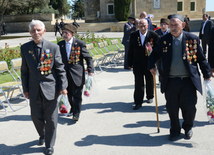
pixel 143 19
pixel 36 22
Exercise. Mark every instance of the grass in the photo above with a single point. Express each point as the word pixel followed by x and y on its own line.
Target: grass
pixel 6 77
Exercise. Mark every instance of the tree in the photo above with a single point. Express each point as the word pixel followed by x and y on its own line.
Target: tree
pixel 78 9
pixel 61 6
pixel 122 9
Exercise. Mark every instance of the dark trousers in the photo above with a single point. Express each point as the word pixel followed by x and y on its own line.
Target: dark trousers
pixel 181 93
pixel 205 42
pixel 74 96
pixel 58 31
pixel 44 114
pixel 139 86
pixel 126 57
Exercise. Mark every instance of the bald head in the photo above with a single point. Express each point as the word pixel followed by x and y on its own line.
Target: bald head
pixel 143 14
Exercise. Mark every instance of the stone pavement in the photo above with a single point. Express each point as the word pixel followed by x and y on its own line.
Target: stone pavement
pixel 108 125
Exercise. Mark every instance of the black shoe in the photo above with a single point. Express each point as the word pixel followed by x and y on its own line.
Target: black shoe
pixel 149 100
pixel 137 106
pixel 41 140
pixel 189 134
pixel 173 136
pixel 49 151
pixel 76 118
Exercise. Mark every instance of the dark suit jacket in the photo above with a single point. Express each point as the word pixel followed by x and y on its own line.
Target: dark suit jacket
pixel 150 27
pixel 31 75
pixel 77 71
pixel 127 31
pixel 136 55
pixel 207 30
pixel 166 55
pixel 211 49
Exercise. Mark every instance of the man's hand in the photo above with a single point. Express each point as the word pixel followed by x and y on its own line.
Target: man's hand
pixel 212 72
pixel 64 92
pixel 90 74
pixel 26 94
pixel 153 71
pixel 130 68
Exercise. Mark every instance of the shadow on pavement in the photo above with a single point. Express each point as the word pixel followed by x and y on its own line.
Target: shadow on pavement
pixel 123 107
pixel 16 118
pixel 136 139
pixel 20 149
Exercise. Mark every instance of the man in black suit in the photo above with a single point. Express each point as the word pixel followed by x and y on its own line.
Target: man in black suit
pixel 211 52
pixel 43 79
pixel 205 32
pixel 181 53
pixel 164 24
pixel 138 58
pixel 129 27
pixel 57 28
pixel 73 52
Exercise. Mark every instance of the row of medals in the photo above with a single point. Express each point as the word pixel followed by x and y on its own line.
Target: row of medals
pixel 46 64
pixel 74 57
pixel 192 54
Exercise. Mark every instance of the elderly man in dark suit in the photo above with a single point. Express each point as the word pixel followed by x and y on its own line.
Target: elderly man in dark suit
pixel 73 52
pixel 164 24
pixel 138 58
pixel 43 79
pixel 129 27
pixel 181 53
pixel 205 32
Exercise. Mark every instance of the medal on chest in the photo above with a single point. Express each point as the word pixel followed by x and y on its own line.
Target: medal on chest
pixel 45 59
pixel 191 49
pixel 74 56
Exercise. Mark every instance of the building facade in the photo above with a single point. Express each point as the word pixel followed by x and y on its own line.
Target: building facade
pixel 103 10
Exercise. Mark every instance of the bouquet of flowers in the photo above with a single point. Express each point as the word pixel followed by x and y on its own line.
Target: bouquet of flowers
pixel 90 87
pixel 148 48
pixel 209 100
pixel 62 102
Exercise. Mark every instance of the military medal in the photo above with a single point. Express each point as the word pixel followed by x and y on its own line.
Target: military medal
pixel 46 62
pixel 74 56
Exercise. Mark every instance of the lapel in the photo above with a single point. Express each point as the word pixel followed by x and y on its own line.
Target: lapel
pixel 32 54
pixel 184 52
pixel 168 55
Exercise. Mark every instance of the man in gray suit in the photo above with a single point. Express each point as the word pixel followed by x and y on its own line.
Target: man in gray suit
pixel 205 32
pixel 129 27
pixel 43 79
pixel 73 52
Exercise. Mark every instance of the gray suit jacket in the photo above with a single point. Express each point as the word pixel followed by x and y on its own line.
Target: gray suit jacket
pixel 127 31
pixel 33 80
pixel 77 71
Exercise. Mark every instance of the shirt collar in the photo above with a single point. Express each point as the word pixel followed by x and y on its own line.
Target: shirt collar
pixel 39 44
pixel 179 37
pixel 70 41
pixel 143 34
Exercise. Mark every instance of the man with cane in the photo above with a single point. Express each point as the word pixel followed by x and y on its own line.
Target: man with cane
pixel 180 52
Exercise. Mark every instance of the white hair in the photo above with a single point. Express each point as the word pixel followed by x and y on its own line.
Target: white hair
pixel 36 22
pixel 143 19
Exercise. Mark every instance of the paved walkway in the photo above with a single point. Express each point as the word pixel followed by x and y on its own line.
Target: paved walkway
pixel 108 125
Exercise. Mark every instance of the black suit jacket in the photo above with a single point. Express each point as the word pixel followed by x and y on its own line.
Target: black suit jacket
pixel 211 49
pixel 207 30
pixel 77 70
pixel 164 50
pixel 160 33
pixel 136 54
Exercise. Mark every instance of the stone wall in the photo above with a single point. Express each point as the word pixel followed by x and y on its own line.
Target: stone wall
pixel 91 7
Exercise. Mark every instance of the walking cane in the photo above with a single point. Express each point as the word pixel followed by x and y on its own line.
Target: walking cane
pixel 156 103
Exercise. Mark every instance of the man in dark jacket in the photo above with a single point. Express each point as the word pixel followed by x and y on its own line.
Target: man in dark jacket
pixel 138 58
pixel 73 52
pixel 181 53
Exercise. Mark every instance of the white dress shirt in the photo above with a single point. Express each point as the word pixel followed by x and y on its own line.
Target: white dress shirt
pixel 68 47
pixel 142 37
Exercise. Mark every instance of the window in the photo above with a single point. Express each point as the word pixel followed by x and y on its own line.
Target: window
pixel 192 6
pixel 179 6
pixel 110 9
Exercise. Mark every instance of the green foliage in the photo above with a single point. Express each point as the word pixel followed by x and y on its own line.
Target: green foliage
pixel 8 54
pixel 122 9
pixel 78 9
pixel 61 6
